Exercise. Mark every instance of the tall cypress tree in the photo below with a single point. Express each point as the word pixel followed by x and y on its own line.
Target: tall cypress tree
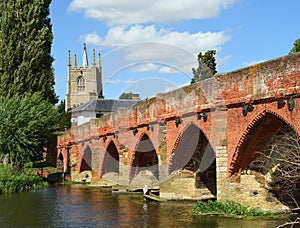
pixel 25 49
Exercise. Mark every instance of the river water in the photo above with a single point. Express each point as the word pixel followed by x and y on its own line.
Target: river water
pixel 83 206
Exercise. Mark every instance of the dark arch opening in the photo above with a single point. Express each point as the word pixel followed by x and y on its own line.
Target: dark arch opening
pixel 194 154
pixel 256 139
pixel 271 152
pixel 86 162
pixel 61 157
pixel 111 159
pixel 60 163
pixel 145 158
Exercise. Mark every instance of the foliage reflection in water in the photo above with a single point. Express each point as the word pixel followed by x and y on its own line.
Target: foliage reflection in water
pixel 83 206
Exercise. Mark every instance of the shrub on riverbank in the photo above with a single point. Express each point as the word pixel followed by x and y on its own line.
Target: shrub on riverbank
pixel 11 181
pixel 227 208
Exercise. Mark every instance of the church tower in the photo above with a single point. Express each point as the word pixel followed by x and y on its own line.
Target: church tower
pixel 84 82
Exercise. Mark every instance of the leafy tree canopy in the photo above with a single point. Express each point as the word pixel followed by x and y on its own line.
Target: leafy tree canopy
pixel 129 96
pixel 207 66
pixel 26 122
pixel 65 117
pixel 296 47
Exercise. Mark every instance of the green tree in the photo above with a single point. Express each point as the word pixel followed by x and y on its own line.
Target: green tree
pixel 25 49
pixel 296 47
pixel 64 117
pixel 207 66
pixel 126 96
pixel 26 123
pixel 129 96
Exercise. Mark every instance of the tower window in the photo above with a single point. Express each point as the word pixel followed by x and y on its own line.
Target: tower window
pixel 80 84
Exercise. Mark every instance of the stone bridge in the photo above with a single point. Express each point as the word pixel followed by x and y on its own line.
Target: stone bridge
pixel 195 142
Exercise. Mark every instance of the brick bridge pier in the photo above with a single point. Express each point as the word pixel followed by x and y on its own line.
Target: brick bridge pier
pixel 195 142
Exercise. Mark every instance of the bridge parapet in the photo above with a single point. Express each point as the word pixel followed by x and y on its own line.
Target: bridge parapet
pixel 275 78
pixel 270 80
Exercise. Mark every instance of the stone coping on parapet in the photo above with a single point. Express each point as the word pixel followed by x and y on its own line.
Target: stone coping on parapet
pixel 262 64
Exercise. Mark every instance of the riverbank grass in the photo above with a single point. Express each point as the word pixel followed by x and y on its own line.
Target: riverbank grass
pixel 12 181
pixel 227 208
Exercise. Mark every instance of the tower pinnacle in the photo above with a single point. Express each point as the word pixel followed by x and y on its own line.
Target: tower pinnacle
pixel 85 62
pixel 99 60
pixel 75 61
pixel 94 58
pixel 69 58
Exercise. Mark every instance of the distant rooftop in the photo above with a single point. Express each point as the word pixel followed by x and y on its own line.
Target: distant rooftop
pixel 104 105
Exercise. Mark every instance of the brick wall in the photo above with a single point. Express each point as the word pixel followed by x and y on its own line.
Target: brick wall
pixel 234 135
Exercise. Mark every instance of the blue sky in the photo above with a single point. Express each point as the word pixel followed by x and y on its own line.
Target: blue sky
pixel 151 46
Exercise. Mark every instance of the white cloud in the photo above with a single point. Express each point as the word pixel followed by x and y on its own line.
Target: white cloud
pixel 155 67
pixel 127 35
pixel 120 81
pixel 172 50
pixel 146 67
pixel 92 38
pixel 167 70
pixel 120 12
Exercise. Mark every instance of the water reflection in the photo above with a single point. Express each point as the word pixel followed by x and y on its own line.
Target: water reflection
pixel 82 206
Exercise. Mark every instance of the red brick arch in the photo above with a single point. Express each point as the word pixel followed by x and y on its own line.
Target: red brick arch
pixel 111 139
pixel 86 159
pixel 61 159
pixel 110 161
pixel 61 154
pixel 257 133
pixel 193 144
pixel 149 145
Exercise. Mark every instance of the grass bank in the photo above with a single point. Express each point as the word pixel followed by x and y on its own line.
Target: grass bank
pixel 12 181
pixel 227 208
